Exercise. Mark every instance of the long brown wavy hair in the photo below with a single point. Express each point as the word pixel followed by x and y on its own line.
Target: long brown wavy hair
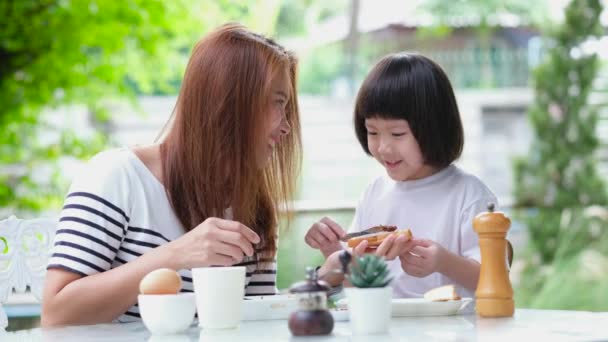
pixel 209 152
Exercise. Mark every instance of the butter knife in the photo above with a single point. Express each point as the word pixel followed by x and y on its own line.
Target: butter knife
pixel 375 229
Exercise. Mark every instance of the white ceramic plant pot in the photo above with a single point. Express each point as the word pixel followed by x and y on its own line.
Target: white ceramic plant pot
pixel 369 309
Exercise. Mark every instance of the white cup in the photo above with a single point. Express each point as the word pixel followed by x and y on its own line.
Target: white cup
pixel 219 295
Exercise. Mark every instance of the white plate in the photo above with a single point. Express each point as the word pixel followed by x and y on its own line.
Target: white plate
pixel 339 315
pixel 259 308
pixel 403 307
pixel 409 307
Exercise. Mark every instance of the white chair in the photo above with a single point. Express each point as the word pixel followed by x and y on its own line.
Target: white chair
pixel 25 247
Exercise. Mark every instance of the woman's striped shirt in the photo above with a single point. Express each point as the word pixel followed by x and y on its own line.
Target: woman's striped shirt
pixel 115 211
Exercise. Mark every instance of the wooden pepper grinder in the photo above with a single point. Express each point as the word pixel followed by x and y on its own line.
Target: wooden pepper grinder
pixel 494 295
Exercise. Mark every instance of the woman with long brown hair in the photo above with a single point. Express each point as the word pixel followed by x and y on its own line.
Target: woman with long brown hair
pixel 208 194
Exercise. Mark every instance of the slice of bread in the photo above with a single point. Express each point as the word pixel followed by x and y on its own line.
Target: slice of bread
pixel 442 294
pixel 374 240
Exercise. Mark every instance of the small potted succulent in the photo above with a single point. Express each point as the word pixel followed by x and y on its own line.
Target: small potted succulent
pixel 369 299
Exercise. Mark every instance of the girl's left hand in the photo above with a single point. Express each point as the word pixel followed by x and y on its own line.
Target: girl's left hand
pixel 423 259
pixel 394 246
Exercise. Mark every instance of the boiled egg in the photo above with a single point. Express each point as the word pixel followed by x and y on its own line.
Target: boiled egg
pixel 161 281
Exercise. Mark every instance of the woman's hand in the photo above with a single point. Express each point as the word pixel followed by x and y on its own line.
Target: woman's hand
pixel 325 235
pixel 215 242
pixel 423 259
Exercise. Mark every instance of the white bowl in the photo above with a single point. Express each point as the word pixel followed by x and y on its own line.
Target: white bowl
pixel 167 314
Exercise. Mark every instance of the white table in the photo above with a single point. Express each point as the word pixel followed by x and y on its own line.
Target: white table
pixel 526 325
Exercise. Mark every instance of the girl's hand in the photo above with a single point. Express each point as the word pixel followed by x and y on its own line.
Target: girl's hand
pixel 393 247
pixel 361 248
pixel 331 269
pixel 423 259
pixel 325 235
pixel 215 242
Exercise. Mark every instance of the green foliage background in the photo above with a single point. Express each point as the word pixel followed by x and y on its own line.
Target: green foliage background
pixel 564 267
pixel 86 52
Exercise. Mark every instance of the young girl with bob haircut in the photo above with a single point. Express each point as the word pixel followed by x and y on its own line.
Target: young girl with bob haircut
pixel 206 195
pixel 406 117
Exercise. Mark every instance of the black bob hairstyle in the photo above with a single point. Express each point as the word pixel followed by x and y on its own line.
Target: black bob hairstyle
pixel 412 87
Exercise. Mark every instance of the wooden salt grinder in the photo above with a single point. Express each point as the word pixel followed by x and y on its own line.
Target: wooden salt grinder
pixel 494 295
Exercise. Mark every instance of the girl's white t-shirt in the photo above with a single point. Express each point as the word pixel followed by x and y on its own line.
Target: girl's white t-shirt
pixel 440 208
pixel 115 211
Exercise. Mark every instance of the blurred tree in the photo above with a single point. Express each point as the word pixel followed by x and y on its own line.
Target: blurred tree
pixel 559 177
pixel 320 66
pixel 351 45
pixel 296 16
pixel 59 52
